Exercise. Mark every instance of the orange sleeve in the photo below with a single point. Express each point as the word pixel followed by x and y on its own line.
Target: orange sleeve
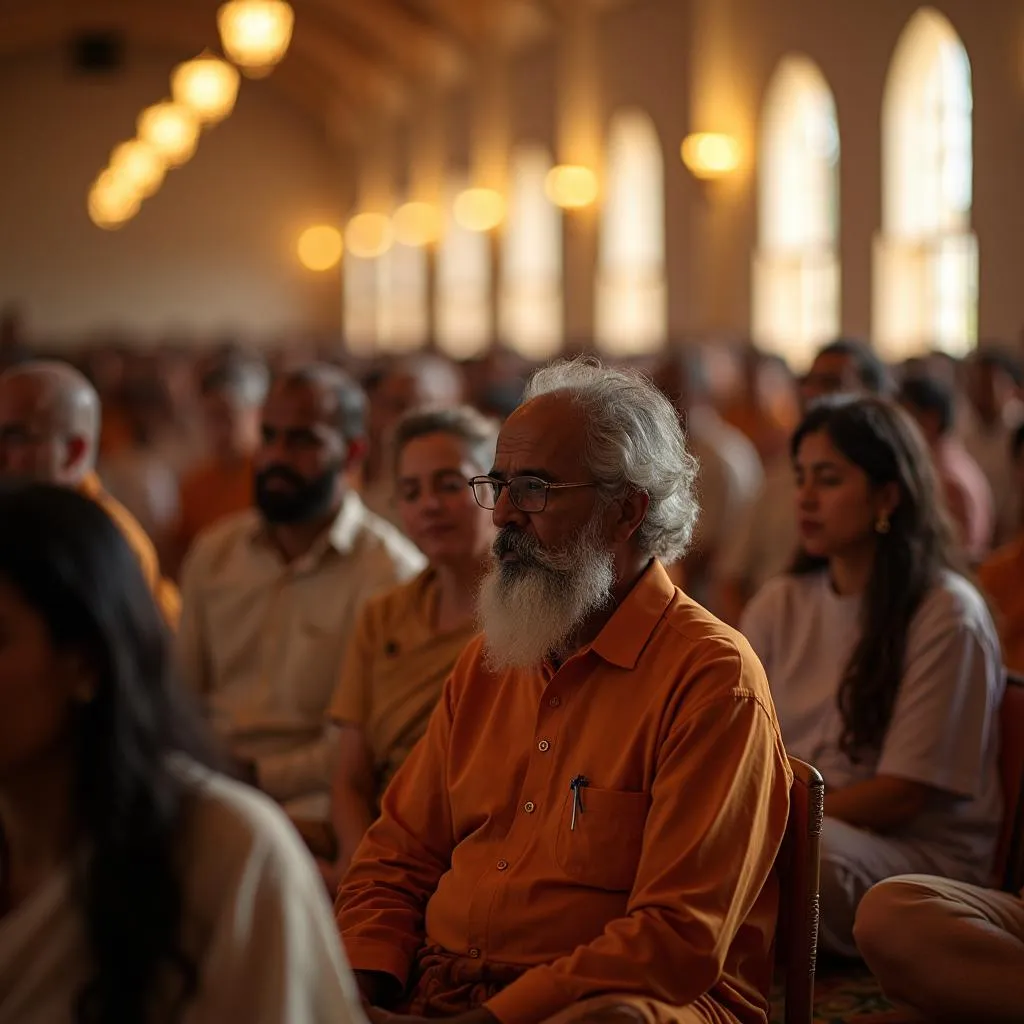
pixel 397 867
pixel 720 800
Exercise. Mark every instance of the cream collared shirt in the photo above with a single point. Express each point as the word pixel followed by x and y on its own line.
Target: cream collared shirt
pixel 262 640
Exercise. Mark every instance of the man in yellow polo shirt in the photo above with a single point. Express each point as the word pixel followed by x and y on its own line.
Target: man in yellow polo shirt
pixel 49 431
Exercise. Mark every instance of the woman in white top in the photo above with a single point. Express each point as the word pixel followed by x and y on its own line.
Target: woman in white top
pixel 883 662
pixel 135 885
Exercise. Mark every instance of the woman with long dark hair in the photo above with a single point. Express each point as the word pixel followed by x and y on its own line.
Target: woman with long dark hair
pixel 883 661
pixel 137 885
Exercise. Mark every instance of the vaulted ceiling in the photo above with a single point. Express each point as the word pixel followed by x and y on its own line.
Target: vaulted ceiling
pixel 350 62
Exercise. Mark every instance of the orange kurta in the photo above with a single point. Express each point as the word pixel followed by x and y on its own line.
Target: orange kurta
pixel 474 885
pixel 164 591
pixel 211 492
pixel 1001 578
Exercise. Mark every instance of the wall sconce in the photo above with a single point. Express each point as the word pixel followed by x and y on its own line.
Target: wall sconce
pixel 710 156
pixel 570 186
pixel 479 209
pixel 320 247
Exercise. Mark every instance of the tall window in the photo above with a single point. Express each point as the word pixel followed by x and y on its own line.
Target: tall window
pixel 926 257
pixel 463 286
pixel 402 308
pixel 530 310
pixel 359 281
pixel 631 310
pixel 796 266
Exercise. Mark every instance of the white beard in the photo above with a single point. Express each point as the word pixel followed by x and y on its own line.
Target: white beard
pixel 530 610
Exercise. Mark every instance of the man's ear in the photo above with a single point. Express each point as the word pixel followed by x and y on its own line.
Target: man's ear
pixel 629 512
pixel 75 450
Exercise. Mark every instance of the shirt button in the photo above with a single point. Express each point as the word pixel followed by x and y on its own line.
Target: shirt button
pixel 555 701
pixel 529 807
pixel 502 865
pixel 474 953
pixel 543 746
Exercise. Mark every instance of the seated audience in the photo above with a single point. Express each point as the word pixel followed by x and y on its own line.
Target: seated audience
pixel 49 432
pixel 407 639
pixel 232 391
pixel 994 378
pixel 765 540
pixel 730 473
pixel 270 595
pixel 968 496
pixel 952 951
pixel 411 382
pixel 589 825
pixel 883 662
pixel 1002 577
pixel 135 883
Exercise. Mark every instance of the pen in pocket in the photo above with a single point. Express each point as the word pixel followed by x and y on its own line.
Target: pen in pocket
pixel 577 783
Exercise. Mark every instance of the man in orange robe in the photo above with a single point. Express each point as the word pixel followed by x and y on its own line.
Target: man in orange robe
pixel 49 431
pixel 588 829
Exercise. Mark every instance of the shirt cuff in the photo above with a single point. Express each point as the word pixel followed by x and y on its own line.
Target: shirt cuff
pixel 534 997
pixel 370 955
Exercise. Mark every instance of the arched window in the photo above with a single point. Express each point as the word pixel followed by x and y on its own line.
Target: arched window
pixel 359 282
pixel 463 286
pixel 796 266
pixel 631 310
pixel 530 310
pixel 926 258
pixel 402 309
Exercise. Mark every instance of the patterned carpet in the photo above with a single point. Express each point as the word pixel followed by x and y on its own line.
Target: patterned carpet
pixel 848 995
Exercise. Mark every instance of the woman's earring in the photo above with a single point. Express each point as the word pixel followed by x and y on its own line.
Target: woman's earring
pixel 882 524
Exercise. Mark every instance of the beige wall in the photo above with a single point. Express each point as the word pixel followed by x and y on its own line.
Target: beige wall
pixel 704 64
pixel 214 250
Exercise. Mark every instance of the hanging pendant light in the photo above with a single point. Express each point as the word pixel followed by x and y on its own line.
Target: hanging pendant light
pixel 207 85
pixel 112 201
pixel 255 33
pixel 172 129
pixel 140 165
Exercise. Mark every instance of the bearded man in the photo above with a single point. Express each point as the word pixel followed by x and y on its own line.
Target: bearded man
pixel 588 829
pixel 269 595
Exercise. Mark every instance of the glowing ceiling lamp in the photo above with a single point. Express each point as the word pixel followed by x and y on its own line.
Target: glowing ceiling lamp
pixel 255 33
pixel 710 155
pixel 140 165
pixel 207 85
pixel 112 201
pixel 320 247
pixel 170 128
pixel 479 209
pixel 368 235
pixel 571 186
pixel 416 223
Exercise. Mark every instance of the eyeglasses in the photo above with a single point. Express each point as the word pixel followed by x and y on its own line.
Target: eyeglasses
pixel 527 493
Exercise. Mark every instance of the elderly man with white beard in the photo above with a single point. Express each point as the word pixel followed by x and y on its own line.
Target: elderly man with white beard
pixel 587 831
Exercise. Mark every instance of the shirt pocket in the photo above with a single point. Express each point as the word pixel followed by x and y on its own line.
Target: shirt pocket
pixel 603 850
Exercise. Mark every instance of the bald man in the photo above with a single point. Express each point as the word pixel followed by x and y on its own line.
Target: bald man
pixel 49 431
pixel 270 595
pixel 416 380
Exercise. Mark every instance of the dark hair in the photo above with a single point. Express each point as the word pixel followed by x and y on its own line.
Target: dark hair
pixel 348 397
pixel 929 394
pixel 884 442
pixel 476 431
pixel 1017 442
pixel 998 358
pixel 873 373
pixel 244 377
pixel 68 561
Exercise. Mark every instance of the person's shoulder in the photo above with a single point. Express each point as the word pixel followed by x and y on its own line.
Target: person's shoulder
pixel 395 604
pixel 231 825
pixel 954 602
pixel 376 535
pixel 784 591
pixel 217 541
